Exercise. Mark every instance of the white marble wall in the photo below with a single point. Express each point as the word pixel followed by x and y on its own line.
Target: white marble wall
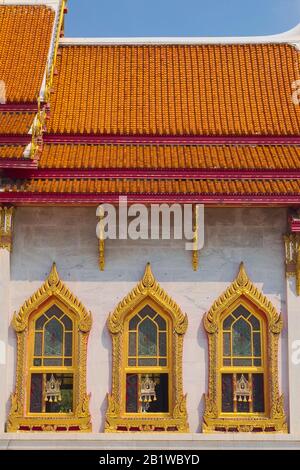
pixel 67 236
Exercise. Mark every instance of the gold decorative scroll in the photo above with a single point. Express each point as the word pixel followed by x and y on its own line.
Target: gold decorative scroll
pixel 195 228
pixel 242 289
pixel 101 241
pixel 292 257
pixel 6 227
pixel 39 125
pixel 53 290
pixel 147 289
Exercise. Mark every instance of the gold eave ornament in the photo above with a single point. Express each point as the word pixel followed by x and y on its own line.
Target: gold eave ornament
pixel 292 258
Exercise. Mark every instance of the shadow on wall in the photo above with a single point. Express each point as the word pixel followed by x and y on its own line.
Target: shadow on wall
pixel 68 237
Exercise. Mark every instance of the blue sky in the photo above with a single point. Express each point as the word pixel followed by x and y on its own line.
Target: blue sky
pixel 128 18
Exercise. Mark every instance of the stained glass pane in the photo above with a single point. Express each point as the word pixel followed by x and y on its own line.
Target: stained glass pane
pixel 241 338
pixel 257 362
pixel 254 322
pixel 242 362
pixel 161 323
pixel 162 344
pixel 228 322
pixel 38 344
pixel 68 344
pixel 37 362
pixel 134 322
pixel 63 401
pixel 53 362
pixel 53 338
pixel 147 338
pixel 132 362
pixel 147 312
pixel 68 323
pixel 241 311
pixel 68 362
pixel 147 362
pixel 132 344
pixel 54 311
pixel 36 393
pixel 39 324
pixel 227 393
pixel 258 393
pixel 163 362
pixel 257 344
pixel 131 393
pixel 227 362
pixel 226 344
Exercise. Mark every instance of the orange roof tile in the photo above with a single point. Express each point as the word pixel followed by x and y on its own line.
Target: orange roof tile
pixel 169 157
pixel 16 123
pixel 11 151
pixel 25 34
pixel 142 186
pixel 176 90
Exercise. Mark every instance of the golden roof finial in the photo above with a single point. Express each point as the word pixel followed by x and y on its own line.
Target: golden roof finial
pixel 53 277
pixel 242 277
pixel 148 279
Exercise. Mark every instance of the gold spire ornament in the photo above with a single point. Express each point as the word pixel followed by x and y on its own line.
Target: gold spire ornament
pixel 6 227
pixel 292 258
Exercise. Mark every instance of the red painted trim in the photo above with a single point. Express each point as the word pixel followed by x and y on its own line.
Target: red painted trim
pixel 93 198
pixel 19 107
pixel 153 174
pixel 169 139
pixel 18 164
pixel 294 225
pixel 15 139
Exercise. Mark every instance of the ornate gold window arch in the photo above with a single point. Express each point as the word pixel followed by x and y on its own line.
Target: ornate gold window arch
pixel 147 330
pixel 243 329
pixel 52 330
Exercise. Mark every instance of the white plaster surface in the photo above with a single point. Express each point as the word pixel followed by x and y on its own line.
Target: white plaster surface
pixel 4 319
pixel 67 236
pixel 148 442
pixel 293 308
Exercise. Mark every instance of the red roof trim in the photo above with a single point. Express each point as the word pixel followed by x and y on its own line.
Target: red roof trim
pixel 172 140
pixel 18 164
pixel 93 198
pixel 147 173
pixel 13 139
pixel 8 107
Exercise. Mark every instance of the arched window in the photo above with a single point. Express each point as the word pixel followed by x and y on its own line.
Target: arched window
pixel 147 373
pixel 52 329
pixel 52 364
pixel 147 329
pixel 243 362
pixel 243 329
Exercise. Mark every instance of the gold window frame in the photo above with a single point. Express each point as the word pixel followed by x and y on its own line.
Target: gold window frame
pixel 243 292
pixel 52 292
pixel 147 292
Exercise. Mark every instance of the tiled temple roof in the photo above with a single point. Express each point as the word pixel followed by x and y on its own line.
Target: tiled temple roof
pixel 157 187
pixel 25 33
pixel 16 122
pixel 241 89
pixel 222 157
pixel 11 151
